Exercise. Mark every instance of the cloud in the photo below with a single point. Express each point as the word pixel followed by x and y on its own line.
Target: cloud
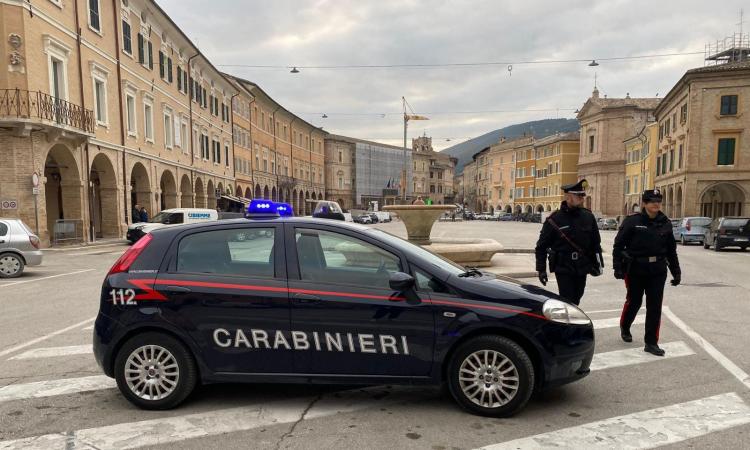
pixel 341 32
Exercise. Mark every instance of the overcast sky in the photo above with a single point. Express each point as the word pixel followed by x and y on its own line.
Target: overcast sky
pixel 355 32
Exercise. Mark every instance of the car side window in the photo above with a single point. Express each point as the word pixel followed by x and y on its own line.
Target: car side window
pixel 239 251
pixel 176 218
pixel 3 229
pixel 328 257
pixel 428 283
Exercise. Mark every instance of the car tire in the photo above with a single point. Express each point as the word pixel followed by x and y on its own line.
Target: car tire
pixel 478 386
pixel 11 265
pixel 682 240
pixel 717 247
pixel 158 353
pixel 705 244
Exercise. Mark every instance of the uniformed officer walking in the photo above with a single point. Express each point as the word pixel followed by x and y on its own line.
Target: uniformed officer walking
pixel 644 249
pixel 570 239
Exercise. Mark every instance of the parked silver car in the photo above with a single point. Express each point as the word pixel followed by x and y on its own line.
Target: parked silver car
pixel 19 247
pixel 692 229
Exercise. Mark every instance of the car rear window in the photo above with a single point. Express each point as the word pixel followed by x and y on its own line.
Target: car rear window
pixel 699 222
pixel 734 223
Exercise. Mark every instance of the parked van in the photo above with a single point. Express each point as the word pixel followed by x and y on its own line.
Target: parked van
pixel 171 217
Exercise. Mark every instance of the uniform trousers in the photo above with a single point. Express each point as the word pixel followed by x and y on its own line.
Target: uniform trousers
pixel 571 286
pixel 653 286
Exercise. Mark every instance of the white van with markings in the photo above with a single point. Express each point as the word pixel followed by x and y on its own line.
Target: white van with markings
pixel 171 217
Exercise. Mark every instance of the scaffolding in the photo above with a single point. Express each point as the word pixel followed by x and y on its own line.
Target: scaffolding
pixel 731 49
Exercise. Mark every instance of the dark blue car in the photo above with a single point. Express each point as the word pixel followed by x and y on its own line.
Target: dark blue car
pixel 303 300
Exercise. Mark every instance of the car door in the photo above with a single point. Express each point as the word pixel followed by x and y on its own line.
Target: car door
pixel 346 317
pixel 4 235
pixel 228 286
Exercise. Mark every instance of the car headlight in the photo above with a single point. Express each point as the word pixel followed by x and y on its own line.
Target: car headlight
pixel 562 312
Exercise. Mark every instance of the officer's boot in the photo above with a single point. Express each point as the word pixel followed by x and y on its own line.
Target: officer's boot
pixel 625 334
pixel 654 349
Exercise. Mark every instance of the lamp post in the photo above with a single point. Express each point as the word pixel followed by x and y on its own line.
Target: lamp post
pixel 407 118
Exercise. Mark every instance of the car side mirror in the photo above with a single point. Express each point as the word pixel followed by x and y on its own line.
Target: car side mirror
pixel 401 282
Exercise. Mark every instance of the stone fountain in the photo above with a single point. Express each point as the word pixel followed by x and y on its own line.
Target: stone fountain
pixel 419 220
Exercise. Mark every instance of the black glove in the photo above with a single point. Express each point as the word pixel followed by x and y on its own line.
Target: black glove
pixel 676 279
pixel 619 274
pixel 543 278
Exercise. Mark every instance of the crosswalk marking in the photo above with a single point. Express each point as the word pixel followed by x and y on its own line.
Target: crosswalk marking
pixel 14 349
pixel 50 388
pixel 175 429
pixel 646 429
pixel 631 356
pixel 615 322
pixel 49 352
pixel 88 328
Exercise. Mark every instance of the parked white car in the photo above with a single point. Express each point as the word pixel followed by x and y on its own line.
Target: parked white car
pixel 171 217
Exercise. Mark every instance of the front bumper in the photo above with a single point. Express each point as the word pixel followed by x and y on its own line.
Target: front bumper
pixel 569 350
pixel 693 237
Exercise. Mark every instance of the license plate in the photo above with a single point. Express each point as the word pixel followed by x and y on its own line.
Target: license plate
pixel 740 239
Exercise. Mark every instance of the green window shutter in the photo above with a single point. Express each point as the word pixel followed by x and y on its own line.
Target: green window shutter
pixel 169 69
pixel 150 55
pixel 161 64
pixel 141 50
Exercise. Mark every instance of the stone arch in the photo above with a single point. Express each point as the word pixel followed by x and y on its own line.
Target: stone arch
pixel 220 188
pixel 266 192
pixel 104 198
pixel 63 198
pixel 273 194
pixel 186 192
pixel 200 194
pixel 518 209
pixel 168 186
pixel 508 209
pixel 140 190
pixel 248 192
pixel 722 199
pixel 539 208
pixel 257 191
pixel 238 191
pixel 210 195
pixel 549 208
pixel 529 209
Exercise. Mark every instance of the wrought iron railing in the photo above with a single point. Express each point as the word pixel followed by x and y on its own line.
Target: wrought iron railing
pixel 38 105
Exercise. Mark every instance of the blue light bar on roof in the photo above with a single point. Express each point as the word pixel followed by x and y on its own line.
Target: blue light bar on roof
pixel 284 209
pixel 261 207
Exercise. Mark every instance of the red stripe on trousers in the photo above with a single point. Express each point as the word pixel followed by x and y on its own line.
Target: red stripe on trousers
pixel 627 299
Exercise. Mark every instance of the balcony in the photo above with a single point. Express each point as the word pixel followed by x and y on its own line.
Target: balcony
pixel 27 110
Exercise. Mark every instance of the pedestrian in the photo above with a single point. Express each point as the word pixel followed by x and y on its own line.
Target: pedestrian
pixel 570 240
pixel 144 215
pixel 135 214
pixel 644 249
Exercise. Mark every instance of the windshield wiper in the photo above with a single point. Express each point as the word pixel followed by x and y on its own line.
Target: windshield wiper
pixel 471 272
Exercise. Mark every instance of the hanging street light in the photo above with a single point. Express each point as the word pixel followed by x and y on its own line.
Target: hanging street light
pixel 324 116
pixel 294 70
pixel 593 63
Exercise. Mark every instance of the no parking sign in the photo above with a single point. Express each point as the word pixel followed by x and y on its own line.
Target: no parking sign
pixel 8 204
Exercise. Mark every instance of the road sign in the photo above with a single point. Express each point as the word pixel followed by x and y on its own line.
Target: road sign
pixel 35 190
pixel 8 204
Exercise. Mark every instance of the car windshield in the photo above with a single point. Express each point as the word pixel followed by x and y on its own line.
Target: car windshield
pixel 162 217
pixel 734 223
pixel 431 258
pixel 701 222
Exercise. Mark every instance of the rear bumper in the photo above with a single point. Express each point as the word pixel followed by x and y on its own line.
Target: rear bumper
pixel 733 241
pixel 692 237
pixel 33 258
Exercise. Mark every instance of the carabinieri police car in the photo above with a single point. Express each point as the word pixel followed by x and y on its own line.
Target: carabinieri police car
pixel 275 298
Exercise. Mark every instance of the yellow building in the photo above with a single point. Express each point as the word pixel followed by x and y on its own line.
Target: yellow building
pixel 640 170
pixel 556 165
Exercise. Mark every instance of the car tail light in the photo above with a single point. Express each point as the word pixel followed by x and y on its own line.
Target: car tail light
pixel 34 241
pixel 128 258
pixel 688 225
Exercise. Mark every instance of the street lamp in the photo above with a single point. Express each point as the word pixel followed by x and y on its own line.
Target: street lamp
pixel 407 118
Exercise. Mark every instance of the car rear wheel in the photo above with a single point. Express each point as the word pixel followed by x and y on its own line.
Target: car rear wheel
pixel 717 247
pixel 682 240
pixel 11 265
pixel 491 376
pixel 155 371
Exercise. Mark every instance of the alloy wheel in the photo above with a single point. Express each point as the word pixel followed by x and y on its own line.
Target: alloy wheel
pixel 488 378
pixel 151 372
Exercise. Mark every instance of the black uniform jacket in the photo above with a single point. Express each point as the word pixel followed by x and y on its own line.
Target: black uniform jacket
pixel 645 246
pixel 579 224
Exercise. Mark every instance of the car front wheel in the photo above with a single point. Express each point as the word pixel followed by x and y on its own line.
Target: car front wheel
pixel 717 247
pixel 155 371
pixel 11 265
pixel 491 376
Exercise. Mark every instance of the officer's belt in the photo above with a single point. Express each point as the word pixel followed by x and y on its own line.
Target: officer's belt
pixel 649 259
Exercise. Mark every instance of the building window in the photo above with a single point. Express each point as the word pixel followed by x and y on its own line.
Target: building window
pixel 94 15
pixel 679 157
pixel 726 152
pixel 100 101
pixel 148 121
pixel 127 38
pixel 658 166
pixel 728 105
pixel 671 160
pixel 591 144
pixel 130 113
pixel 683 113
pixel 168 130
pixel 145 52
pixel 226 153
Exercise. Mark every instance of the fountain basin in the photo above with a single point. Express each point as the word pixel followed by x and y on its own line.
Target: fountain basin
pixel 467 252
pixel 419 219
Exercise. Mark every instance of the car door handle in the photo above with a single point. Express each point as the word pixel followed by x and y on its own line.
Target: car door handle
pixel 178 289
pixel 307 298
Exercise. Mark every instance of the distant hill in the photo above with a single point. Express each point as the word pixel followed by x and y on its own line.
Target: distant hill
pixel 539 128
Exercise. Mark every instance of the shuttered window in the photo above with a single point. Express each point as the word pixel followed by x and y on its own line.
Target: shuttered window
pixel 726 152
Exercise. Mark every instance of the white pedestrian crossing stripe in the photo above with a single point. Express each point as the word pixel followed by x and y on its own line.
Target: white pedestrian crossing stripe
pixel 631 356
pixel 175 429
pixel 49 352
pixel 49 388
pixel 646 429
pixel 615 322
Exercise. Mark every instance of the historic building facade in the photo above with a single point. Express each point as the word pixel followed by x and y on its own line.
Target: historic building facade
pixel 340 171
pixel 523 197
pixel 703 155
pixel 556 165
pixel 640 170
pixel 503 172
pixel 432 172
pixel 605 124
